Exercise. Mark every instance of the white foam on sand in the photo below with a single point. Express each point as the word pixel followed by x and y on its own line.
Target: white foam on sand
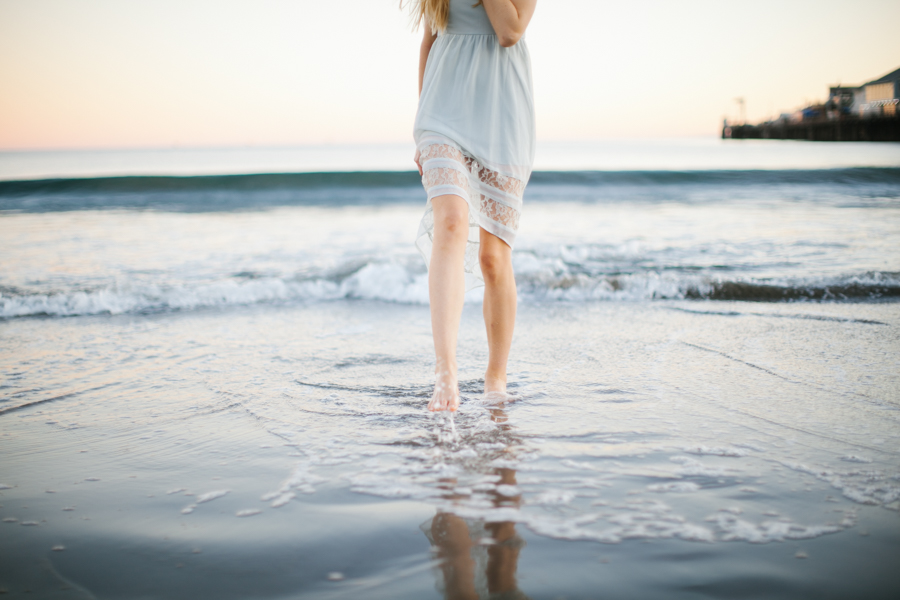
pixel 210 496
pixel 202 499
pixel 715 451
pixel 871 487
pixel 676 486
pixel 732 528
pixel 461 471
pixel 301 480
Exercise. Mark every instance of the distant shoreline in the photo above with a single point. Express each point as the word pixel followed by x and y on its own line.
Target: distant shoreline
pixel 708 153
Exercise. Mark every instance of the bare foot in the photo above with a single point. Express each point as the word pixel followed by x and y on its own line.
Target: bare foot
pixel 446 390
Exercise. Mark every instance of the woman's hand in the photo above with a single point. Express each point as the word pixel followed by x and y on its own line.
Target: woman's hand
pixel 509 18
pixel 416 159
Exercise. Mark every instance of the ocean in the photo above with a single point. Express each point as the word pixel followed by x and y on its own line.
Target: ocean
pixel 216 364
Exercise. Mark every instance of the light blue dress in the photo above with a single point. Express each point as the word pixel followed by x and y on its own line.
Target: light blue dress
pixel 474 129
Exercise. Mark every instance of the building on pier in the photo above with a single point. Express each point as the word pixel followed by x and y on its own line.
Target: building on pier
pixel 866 112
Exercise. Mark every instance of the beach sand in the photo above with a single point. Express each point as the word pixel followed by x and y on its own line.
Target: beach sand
pixel 670 449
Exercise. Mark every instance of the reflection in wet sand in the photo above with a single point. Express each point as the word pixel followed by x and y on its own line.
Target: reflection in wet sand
pixel 478 559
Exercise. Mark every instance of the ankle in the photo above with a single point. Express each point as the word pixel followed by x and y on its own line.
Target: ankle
pixel 445 368
pixel 494 383
pixel 495 376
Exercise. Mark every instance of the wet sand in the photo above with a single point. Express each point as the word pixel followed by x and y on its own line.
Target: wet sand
pixel 673 449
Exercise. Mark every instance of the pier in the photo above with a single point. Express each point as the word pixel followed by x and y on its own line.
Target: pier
pixel 846 128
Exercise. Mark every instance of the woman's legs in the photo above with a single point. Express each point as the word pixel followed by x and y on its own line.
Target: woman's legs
pixel 446 292
pixel 499 307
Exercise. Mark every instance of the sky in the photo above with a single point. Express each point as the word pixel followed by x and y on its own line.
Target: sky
pixel 199 73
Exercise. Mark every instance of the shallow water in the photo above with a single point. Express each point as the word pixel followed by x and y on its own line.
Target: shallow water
pixel 293 442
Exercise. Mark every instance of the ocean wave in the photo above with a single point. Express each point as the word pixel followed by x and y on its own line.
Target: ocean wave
pixel 846 176
pixel 388 282
pixel 394 282
pixel 865 287
pixel 256 191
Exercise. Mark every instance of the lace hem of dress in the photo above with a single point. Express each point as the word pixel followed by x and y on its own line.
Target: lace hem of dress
pixel 494 199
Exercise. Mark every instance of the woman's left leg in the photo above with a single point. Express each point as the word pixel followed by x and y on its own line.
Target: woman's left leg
pixel 499 307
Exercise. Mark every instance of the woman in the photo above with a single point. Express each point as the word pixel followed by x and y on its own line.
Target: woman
pixel 474 136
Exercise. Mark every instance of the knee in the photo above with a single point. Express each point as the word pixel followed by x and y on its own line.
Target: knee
pixel 453 222
pixel 494 263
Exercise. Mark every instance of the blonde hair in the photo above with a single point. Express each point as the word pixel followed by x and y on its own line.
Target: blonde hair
pixel 435 13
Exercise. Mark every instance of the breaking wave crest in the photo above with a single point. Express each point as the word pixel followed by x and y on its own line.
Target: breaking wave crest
pixel 395 282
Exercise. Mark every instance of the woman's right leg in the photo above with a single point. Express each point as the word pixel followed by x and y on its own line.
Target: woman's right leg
pixel 446 292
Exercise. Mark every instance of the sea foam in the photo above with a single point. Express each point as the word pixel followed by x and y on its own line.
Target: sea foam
pixel 399 283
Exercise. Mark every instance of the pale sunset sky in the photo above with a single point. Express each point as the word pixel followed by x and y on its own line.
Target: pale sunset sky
pixel 161 73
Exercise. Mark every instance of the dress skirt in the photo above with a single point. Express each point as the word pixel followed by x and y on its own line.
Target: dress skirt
pixel 474 132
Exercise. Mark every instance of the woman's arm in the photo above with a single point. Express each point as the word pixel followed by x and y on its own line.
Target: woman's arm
pixel 509 18
pixel 427 42
pixel 424 49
